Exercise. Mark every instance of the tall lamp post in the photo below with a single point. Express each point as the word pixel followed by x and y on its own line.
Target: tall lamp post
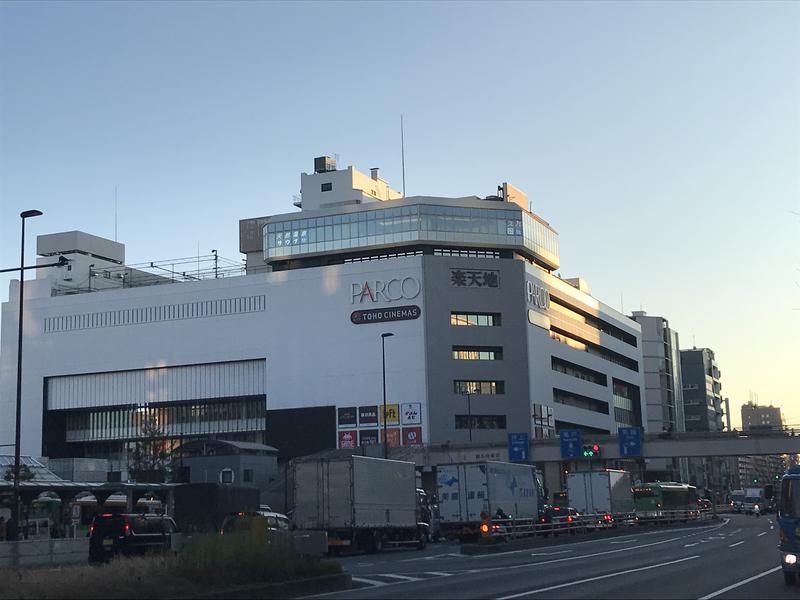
pixel 385 419
pixel 23 215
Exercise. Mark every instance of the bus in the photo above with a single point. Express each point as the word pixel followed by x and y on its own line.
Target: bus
pixel 663 500
pixel 789 525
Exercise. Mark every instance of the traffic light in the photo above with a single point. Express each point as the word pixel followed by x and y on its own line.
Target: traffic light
pixel 755 480
pixel 591 450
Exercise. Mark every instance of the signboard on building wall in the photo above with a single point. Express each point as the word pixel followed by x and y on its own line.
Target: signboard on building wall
pixel 474 278
pixel 412 436
pixel 393 434
pixel 347 416
pixel 392 415
pixel 382 315
pixel 348 439
pixel 367 415
pixel 368 437
pixel 411 413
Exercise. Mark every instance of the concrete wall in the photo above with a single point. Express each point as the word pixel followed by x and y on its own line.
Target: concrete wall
pixel 44 552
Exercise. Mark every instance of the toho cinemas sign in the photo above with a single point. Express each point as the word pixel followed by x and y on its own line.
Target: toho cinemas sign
pixel 385 290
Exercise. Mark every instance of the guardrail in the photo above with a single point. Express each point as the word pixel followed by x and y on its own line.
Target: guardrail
pixel 512 528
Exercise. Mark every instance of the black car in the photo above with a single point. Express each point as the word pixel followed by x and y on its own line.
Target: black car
pixel 555 519
pixel 128 534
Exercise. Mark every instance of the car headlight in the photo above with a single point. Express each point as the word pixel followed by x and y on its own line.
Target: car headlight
pixel 790 559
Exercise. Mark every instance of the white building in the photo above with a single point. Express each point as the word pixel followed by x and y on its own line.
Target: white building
pixel 487 339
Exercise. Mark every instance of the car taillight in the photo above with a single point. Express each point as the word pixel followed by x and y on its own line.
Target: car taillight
pixel 541 519
pixel 91 529
pixel 569 519
pixel 127 527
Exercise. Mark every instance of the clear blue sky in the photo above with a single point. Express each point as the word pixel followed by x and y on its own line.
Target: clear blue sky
pixel 661 139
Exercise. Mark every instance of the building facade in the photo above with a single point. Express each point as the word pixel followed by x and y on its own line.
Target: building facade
pixel 757 471
pixel 663 391
pixel 487 338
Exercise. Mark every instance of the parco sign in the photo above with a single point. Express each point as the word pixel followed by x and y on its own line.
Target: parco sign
pixel 392 290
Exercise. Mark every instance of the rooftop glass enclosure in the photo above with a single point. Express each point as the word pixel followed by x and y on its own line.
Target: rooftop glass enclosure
pixel 424 223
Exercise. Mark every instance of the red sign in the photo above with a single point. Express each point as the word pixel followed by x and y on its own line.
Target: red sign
pixel 348 439
pixel 412 436
pixel 394 437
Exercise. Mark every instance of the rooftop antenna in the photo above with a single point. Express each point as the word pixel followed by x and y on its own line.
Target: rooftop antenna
pixel 403 154
pixel 621 305
pixel 694 346
pixel 115 213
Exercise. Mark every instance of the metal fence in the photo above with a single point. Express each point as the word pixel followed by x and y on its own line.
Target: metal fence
pixel 506 529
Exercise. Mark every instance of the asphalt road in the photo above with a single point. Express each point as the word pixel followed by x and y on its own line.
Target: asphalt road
pixel 729 559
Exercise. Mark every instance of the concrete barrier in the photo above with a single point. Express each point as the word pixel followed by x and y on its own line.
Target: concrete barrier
pixel 30 553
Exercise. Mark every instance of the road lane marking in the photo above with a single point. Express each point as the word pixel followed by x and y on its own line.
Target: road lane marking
pixel 435 556
pixel 736 544
pixel 580 581
pixel 438 573
pixel 371 582
pixel 403 577
pixel 738 584
pixel 762 533
pixel 623 541
pixel 551 553
pixel 689 545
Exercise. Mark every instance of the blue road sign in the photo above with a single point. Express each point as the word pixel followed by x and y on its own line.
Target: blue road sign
pixel 570 443
pixel 517 446
pixel 630 441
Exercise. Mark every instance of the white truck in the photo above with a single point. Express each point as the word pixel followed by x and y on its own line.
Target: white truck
pixel 753 496
pixel 360 502
pixel 470 493
pixel 604 493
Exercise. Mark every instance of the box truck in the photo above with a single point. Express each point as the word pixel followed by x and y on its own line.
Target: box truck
pixel 606 492
pixel 360 502
pixel 472 492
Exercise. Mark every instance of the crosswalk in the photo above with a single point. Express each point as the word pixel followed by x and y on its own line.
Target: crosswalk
pixel 381 579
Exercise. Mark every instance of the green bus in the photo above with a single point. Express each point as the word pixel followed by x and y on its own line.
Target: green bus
pixel 663 500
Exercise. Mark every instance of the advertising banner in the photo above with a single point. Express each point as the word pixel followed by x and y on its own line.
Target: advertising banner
pixel 367 415
pixel 394 437
pixel 347 439
pixel 411 413
pixel 368 437
pixel 412 436
pixel 392 414
pixel 347 416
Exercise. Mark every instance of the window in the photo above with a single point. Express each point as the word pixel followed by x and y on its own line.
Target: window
pixel 577 371
pixel 247 475
pixel 480 421
pixel 326 187
pixel 475 319
pixel 461 386
pixel 477 353
pixel 578 401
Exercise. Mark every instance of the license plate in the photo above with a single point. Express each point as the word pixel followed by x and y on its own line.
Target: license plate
pixel 108 542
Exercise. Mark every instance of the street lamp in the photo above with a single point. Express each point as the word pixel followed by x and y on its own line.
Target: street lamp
pixel 91 274
pixel 23 215
pixel 385 419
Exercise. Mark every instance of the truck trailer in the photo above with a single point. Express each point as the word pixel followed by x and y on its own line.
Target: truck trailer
pixel 360 502
pixel 602 493
pixel 471 493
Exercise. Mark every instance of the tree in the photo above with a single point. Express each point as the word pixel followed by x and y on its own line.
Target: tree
pixel 150 461
pixel 25 474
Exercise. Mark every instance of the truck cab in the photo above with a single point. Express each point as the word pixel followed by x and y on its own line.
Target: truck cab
pixel 789 525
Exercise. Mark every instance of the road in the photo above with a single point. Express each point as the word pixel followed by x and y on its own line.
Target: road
pixel 714 561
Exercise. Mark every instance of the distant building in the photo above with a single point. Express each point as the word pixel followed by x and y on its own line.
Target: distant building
pixel 663 391
pixel 757 471
pixel 703 411
pixel 761 417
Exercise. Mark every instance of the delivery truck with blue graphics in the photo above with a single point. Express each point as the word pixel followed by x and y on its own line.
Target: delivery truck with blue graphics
pixel 469 493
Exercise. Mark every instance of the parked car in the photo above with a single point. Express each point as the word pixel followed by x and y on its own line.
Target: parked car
pixel 113 534
pixel 249 521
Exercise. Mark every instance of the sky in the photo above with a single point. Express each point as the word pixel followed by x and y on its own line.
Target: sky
pixel 660 139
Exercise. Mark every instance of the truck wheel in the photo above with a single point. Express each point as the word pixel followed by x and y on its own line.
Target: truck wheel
pixel 422 539
pixel 789 578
